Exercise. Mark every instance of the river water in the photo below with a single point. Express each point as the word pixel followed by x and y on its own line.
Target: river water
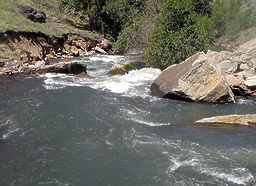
pixel 58 129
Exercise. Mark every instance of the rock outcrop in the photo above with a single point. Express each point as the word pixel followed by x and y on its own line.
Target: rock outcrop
pixel 249 119
pixel 205 77
pixel 117 69
pixel 240 67
pixel 197 79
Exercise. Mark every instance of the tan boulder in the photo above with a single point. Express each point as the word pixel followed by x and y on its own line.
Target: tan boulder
pixel 198 79
pixel 248 119
pixel 117 69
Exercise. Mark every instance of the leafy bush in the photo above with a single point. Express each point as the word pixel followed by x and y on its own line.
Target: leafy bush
pixel 137 32
pixel 180 32
pixel 107 16
pixel 169 31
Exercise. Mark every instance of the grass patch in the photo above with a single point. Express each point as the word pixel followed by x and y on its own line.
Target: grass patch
pixel 12 19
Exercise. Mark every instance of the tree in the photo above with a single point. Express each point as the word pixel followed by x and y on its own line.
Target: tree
pixel 180 32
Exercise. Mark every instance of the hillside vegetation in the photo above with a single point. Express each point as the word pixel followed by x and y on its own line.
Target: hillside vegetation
pixel 58 22
pixel 168 31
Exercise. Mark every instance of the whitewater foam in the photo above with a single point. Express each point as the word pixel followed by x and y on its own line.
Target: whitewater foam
pixel 239 176
pixel 135 83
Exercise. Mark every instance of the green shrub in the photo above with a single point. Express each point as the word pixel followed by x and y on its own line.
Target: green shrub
pixel 180 32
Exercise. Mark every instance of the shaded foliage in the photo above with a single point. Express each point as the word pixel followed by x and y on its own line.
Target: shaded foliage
pixel 107 16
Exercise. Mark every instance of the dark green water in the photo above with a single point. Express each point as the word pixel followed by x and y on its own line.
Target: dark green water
pixel 62 130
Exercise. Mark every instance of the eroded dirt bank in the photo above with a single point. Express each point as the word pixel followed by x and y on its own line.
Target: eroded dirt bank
pixel 31 47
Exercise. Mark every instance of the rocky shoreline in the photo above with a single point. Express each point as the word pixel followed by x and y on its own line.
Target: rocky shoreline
pixel 215 77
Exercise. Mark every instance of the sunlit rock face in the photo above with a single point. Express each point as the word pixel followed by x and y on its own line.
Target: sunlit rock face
pixel 197 79
pixel 249 119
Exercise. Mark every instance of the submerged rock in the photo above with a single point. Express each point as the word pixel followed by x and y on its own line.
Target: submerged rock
pixel 249 119
pixel 117 69
pixel 84 75
pixel 136 65
pixel 197 79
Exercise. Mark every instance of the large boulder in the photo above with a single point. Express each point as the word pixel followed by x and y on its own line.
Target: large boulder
pixel 33 14
pixel 64 67
pixel 248 119
pixel 117 69
pixel 197 79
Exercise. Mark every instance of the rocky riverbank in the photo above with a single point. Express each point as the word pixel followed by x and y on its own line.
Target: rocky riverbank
pixel 217 77
pixel 212 77
pixel 38 49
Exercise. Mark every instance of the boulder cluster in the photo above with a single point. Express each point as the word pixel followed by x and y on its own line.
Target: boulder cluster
pixel 215 77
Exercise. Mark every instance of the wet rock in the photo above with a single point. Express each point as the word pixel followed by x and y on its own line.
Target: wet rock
pixel 136 65
pixel 64 67
pixel 117 69
pixel 197 79
pixel 249 119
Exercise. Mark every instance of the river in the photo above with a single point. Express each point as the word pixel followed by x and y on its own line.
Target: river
pixel 59 129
